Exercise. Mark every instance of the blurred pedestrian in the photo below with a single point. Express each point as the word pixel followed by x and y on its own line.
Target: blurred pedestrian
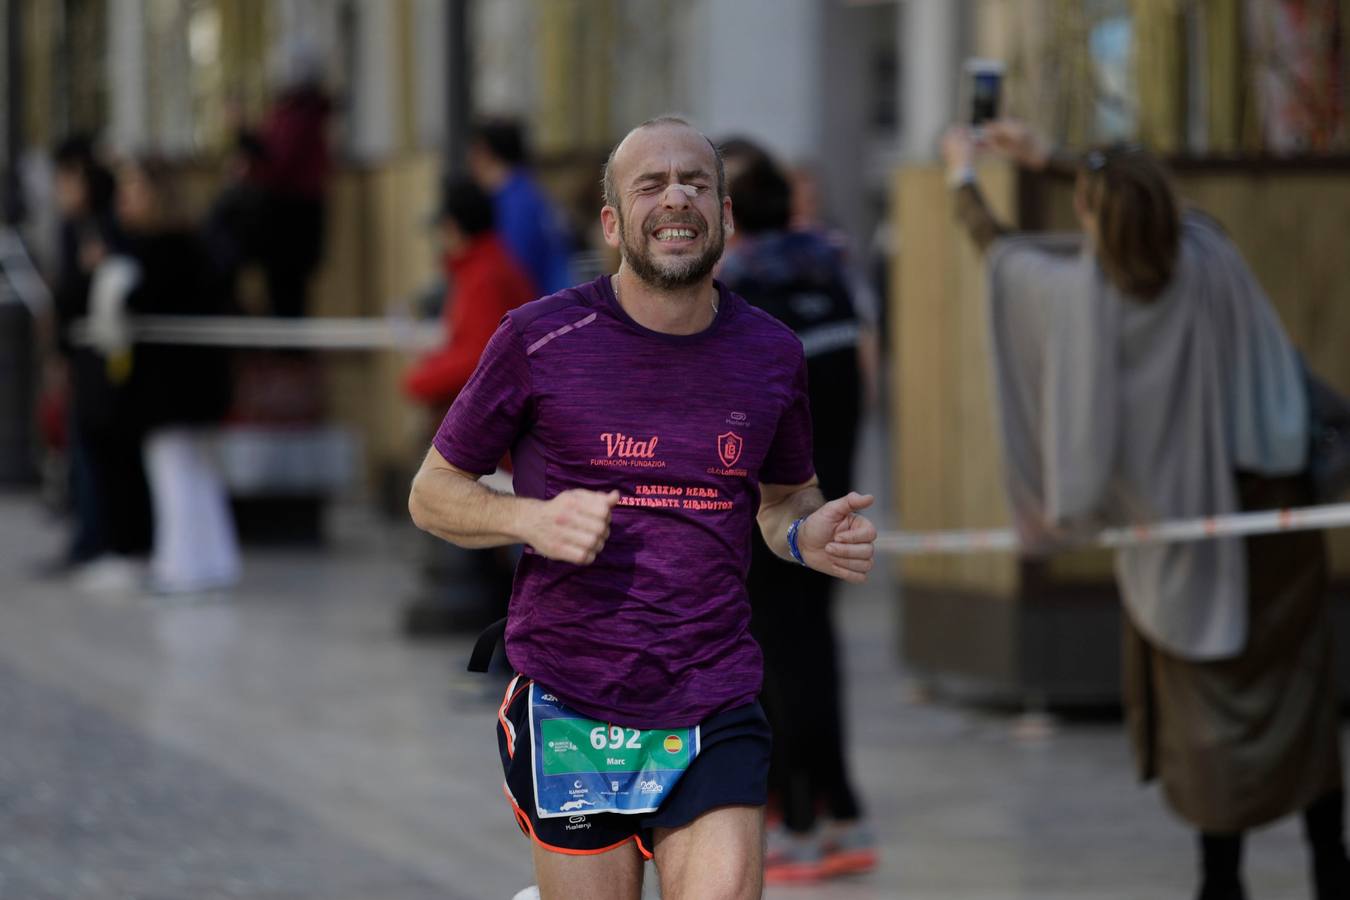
pixel 799 277
pixel 84 198
pixel 806 214
pixel 653 417
pixel 484 283
pixel 528 222
pixel 178 390
pixel 1147 377
pixel 296 167
pixel 237 228
pixel 809 214
pixel 468 589
pixel 740 153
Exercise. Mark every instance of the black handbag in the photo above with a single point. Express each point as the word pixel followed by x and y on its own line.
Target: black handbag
pixel 1328 439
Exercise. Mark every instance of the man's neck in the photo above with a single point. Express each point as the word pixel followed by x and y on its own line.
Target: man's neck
pixel 687 310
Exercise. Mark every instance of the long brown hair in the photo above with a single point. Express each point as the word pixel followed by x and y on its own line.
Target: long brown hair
pixel 1129 194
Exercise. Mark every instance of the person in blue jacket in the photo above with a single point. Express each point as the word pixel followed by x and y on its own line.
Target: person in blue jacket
pixel 529 223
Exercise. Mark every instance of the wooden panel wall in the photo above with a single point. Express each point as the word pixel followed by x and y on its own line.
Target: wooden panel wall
pixel 945 468
pixel 402 252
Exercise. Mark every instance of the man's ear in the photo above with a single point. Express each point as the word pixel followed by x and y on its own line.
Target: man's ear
pixel 728 221
pixel 609 223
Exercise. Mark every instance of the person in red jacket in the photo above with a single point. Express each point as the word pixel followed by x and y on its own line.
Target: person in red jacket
pixel 484 284
pixel 464 590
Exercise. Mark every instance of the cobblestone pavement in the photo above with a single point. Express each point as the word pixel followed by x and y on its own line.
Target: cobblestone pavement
pixel 286 742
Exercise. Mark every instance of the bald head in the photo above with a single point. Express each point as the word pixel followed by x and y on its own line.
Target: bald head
pixel 614 165
pixel 666 208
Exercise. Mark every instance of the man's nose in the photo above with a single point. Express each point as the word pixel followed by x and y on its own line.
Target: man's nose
pixel 676 195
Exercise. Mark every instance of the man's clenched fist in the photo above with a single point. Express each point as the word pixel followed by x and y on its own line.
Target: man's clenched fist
pixel 572 527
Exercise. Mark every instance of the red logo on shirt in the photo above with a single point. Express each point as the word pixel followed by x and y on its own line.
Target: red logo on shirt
pixel 729 447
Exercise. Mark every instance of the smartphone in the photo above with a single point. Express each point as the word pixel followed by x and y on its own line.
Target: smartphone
pixel 984 78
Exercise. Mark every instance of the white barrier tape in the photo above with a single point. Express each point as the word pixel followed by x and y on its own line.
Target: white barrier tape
pixel 910 543
pixel 260 332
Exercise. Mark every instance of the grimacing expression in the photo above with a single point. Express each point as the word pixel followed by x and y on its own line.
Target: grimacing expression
pixel 669 213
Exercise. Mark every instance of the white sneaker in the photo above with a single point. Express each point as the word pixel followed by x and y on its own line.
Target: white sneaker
pixel 110 575
pixel 530 893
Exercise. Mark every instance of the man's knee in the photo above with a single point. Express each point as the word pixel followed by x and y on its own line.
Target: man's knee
pixel 718 856
pixel 614 875
pixel 722 879
pixel 743 886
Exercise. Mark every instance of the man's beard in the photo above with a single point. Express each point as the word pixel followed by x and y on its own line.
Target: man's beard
pixel 669 274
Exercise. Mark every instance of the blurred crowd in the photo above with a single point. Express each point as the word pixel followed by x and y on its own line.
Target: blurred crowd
pixel 148 503
pixel 129 423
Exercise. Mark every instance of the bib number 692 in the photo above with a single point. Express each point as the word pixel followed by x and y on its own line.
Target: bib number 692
pixel 612 738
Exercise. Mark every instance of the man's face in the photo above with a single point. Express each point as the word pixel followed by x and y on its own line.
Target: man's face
pixel 670 226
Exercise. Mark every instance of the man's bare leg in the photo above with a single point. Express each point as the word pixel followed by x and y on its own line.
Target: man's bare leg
pixel 718 856
pixel 615 875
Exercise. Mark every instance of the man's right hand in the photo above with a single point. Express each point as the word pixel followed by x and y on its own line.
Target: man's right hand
pixel 571 527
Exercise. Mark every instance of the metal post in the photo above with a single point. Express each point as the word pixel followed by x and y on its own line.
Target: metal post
pixel 458 95
pixel 932 41
pixel 13 210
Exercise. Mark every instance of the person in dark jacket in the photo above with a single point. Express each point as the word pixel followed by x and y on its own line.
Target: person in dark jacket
pixel 237 228
pixel 177 390
pixel 109 496
pixel 800 278
pixel 295 169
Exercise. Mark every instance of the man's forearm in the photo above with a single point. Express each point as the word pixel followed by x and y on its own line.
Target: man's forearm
pixel 775 518
pixel 464 512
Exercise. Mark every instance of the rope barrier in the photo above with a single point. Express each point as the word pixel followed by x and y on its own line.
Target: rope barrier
pixel 1003 540
pixel 260 332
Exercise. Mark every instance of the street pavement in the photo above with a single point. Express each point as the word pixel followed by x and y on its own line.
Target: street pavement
pixel 286 742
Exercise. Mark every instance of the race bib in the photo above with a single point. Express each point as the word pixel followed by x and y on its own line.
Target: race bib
pixel 582 766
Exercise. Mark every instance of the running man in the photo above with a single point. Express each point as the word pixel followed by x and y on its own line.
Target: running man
pixel 651 416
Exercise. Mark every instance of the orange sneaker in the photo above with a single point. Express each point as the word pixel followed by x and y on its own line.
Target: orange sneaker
pixel 850 848
pixel 793 858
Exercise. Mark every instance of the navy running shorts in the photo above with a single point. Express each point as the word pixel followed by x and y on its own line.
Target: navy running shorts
pixel 731 769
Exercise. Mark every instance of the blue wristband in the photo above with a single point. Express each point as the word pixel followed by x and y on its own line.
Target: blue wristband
pixel 792 540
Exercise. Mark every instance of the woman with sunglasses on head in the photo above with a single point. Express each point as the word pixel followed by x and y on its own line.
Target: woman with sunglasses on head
pixel 1142 374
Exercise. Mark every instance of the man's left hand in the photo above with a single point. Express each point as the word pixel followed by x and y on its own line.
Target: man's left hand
pixel 837 541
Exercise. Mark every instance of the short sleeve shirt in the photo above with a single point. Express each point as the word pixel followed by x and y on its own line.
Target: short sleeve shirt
pixel 655 632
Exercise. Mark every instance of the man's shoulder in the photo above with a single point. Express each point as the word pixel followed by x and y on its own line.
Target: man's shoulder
pixel 554 310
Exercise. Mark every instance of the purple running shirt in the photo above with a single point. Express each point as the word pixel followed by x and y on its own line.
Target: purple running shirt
pixel 655 632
